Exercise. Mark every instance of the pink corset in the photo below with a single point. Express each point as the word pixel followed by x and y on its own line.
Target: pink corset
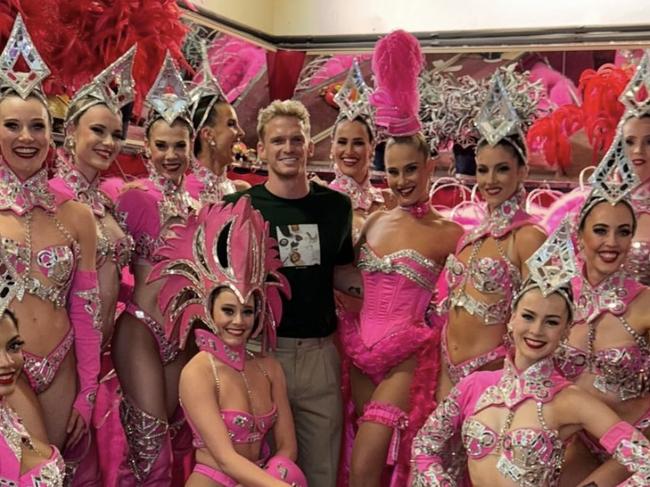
pixel 56 262
pixel 397 291
pixel 391 326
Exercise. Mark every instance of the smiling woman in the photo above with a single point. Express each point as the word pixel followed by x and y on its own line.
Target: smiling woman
pixel 515 424
pixel 149 408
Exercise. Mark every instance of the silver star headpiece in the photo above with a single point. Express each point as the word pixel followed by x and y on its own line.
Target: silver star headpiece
pixel 353 99
pixel 113 87
pixel 20 45
pixel 168 98
pixel 614 178
pixel 636 95
pixel 553 265
pixel 208 87
pixel 497 118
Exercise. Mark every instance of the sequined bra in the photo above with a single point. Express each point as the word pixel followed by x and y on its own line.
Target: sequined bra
pixel 487 275
pixel 14 437
pixel 623 371
pixel 70 183
pixel 56 263
pixel 118 252
pixel 243 426
pixel 528 456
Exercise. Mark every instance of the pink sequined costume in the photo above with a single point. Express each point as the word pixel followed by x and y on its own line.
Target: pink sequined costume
pixel 149 207
pixel 486 275
pixel 620 371
pixel 50 273
pixel 530 455
pixel 226 246
pixel 13 439
pixel 205 186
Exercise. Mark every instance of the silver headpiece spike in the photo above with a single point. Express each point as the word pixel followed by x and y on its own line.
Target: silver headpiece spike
pixel 553 265
pixel 636 95
pixel 168 98
pixel 353 99
pixel 614 178
pixel 497 118
pixel 20 44
pixel 208 87
pixel 113 87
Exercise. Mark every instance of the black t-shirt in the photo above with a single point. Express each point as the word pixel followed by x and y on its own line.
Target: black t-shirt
pixel 314 234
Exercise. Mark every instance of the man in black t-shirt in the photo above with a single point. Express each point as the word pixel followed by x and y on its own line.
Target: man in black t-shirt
pixel 313 227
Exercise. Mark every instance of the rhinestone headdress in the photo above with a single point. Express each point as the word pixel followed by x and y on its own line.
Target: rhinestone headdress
pixel 23 83
pixel 353 99
pixel 224 246
pixel 613 180
pixel 113 87
pixel 615 176
pixel 168 97
pixel 636 95
pixel 553 265
pixel 498 119
pixel 208 86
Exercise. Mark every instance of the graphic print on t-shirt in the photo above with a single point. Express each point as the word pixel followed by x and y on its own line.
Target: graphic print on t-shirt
pixel 299 244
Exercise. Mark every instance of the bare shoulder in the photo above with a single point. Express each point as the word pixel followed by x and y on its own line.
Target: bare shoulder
pixel 530 234
pixel 372 220
pixel 450 228
pixel 197 367
pixel 76 215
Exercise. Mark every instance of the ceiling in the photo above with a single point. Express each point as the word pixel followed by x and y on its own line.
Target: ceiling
pixel 339 25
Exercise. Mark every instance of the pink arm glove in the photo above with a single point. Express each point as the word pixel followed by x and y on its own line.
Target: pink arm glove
pixel 286 470
pixel 632 450
pixel 430 444
pixel 84 313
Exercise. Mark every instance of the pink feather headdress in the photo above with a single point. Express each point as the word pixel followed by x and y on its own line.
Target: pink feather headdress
pixel 224 246
pixel 396 64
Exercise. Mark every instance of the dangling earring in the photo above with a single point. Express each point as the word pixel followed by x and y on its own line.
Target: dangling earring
pixel 69 145
pixel 331 162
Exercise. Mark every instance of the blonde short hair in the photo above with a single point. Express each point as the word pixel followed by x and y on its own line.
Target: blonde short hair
pixel 283 108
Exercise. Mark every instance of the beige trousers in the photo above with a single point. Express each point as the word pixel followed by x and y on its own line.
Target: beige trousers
pixel 313 370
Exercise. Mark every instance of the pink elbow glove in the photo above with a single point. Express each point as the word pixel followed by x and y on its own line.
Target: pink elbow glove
pixel 84 313
pixel 631 449
pixel 286 470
